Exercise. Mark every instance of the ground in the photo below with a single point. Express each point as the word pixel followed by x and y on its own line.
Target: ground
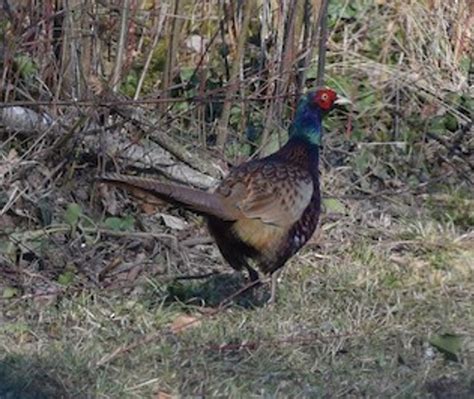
pixel 379 304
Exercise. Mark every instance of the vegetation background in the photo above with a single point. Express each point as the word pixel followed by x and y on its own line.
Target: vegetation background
pixel 93 297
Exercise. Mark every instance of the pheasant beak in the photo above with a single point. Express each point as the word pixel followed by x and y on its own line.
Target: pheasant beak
pixel 342 101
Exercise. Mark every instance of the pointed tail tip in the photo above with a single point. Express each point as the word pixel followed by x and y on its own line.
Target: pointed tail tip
pixel 138 182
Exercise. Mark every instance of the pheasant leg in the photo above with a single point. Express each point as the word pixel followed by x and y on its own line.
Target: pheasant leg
pixel 253 275
pixel 274 282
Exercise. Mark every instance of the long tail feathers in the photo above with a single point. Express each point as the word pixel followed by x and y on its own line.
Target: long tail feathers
pixel 196 200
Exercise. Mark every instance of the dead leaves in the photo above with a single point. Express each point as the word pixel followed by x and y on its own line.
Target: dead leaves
pixel 184 322
pixel 163 395
pixel 174 222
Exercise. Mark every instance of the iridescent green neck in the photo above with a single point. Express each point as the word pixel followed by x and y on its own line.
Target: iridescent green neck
pixel 307 123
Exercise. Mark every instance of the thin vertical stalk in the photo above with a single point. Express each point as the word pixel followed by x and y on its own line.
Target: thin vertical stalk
pixel 71 63
pixel 121 45
pixel 174 38
pixel 281 17
pixel 156 35
pixel 323 37
pixel 234 73
pixel 287 58
pixel 311 12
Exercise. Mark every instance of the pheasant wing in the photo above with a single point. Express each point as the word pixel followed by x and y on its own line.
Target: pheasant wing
pixel 276 193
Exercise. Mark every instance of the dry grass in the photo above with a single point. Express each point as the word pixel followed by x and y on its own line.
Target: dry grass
pixel 380 305
pixel 355 317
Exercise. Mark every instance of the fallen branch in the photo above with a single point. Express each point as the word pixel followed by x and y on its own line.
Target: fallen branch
pixel 160 153
pixel 141 121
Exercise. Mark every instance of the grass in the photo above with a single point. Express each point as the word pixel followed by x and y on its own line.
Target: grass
pixel 355 317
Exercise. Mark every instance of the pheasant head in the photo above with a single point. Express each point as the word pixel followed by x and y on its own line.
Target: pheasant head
pixel 309 114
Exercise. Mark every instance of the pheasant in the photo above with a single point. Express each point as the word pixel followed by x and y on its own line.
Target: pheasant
pixel 266 209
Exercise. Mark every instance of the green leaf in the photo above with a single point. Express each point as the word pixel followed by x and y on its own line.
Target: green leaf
pixel 448 344
pixel 368 101
pixel 312 71
pixel 129 84
pixel 186 73
pixel 341 10
pixel 8 249
pixel 66 278
pixel 334 205
pixel 9 292
pixel 235 115
pixel 120 224
pixel 342 84
pixel 391 281
pixel 113 223
pixel 25 65
pixel 362 161
pixel 26 241
pixel 181 106
pixel 450 122
pixel 465 64
pixel 73 212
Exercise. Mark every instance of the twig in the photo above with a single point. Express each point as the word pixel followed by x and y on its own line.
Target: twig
pixel 196 276
pixel 145 101
pixel 191 242
pixel 304 340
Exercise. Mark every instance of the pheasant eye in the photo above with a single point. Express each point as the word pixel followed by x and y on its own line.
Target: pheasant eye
pixel 324 96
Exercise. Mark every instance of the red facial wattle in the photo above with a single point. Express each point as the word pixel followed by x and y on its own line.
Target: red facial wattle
pixel 325 98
